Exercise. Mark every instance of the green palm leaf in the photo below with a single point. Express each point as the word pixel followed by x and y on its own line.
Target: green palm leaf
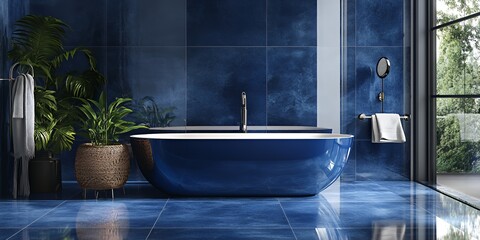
pixel 64 137
pixel 38 41
pixel 103 124
pixel 43 133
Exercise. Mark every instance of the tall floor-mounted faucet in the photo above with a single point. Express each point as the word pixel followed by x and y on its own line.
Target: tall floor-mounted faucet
pixel 243 123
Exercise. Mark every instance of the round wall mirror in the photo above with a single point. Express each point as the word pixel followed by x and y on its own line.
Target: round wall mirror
pixel 383 67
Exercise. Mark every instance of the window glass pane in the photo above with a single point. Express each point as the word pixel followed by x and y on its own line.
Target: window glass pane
pixel 448 10
pixel 449 74
pixel 458 135
pixel 458 58
pixel 472 55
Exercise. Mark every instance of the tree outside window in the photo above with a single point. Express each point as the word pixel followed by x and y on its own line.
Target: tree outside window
pixel 458 87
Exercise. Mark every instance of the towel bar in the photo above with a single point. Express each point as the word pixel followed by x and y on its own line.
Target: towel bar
pixel 363 116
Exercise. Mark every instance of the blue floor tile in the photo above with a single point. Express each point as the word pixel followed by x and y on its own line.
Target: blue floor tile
pixel 311 214
pixel 353 214
pixel 409 189
pixel 368 214
pixel 19 214
pixel 348 210
pixel 319 233
pixel 227 233
pixel 107 232
pixel 224 214
pixel 7 232
pixel 352 192
pixel 98 214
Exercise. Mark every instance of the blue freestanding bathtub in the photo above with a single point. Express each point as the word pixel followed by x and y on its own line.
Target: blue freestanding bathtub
pixel 241 164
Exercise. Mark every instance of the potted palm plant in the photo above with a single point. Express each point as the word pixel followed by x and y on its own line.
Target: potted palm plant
pixel 104 163
pixel 38 41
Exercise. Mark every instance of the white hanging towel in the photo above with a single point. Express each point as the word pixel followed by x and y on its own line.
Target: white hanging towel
pixel 23 124
pixel 387 128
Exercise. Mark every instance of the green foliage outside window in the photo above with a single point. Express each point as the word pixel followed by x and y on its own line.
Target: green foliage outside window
pixel 458 64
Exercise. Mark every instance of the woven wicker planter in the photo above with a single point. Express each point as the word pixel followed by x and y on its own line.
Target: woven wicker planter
pixel 102 167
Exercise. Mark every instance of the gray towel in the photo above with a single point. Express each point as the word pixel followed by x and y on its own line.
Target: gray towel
pixel 23 124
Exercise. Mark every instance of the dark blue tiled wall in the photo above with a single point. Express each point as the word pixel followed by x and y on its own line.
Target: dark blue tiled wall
pixel 4 23
pixel 10 11
pixel 375 30
pixel 86 19
pixel 214 74
pixel 291 78
pixel 291 23
pixel 226 23
pixel 146 23
pixel 199 55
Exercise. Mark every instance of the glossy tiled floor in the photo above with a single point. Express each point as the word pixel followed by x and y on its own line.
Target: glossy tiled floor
pixel 355 210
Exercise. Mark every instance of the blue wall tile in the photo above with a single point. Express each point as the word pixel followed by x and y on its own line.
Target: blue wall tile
pixel 369 84
pixel 348 116
pixel 149 23
pixel 157 72
pixel 374 30
pixel 86 19
pixel 348 113
pixel 226 23
pixel 381 23
pixel 292 81
pixel 216 78
pixel 4 103
pixel 351 23
pixel 382 161
pixel 292 23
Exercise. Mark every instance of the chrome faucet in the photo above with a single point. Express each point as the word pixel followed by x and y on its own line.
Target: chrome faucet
pixel 243 124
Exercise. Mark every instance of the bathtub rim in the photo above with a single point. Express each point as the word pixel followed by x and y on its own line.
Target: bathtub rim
pixel 240 136
pixel 236 128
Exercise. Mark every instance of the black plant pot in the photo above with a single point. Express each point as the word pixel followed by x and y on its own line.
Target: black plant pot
pixel 45 174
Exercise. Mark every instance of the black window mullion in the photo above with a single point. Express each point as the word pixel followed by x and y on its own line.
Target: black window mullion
pixel 456 21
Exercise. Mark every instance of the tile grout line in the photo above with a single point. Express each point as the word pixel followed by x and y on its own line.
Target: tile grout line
pixel 284 214
pixel 354 86
pixel 105 85
pixel 36 220
pixel 156 220
pixel 186 62
pixel 266 63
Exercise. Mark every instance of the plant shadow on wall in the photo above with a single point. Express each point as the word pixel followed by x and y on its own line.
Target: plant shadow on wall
pixel 59 83
pixel 148 113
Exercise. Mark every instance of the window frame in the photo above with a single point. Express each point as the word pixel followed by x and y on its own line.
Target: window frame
pixel 432 90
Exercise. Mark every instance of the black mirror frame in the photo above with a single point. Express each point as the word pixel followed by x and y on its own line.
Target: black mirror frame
pixel 385 73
